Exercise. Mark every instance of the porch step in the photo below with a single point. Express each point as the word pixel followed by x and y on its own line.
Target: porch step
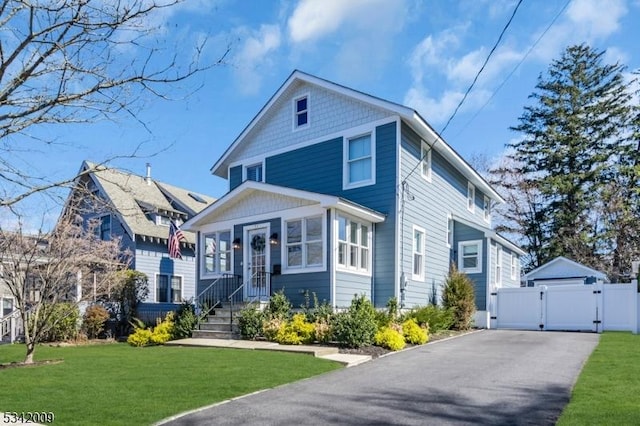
pixel 213 334
pixel 218 325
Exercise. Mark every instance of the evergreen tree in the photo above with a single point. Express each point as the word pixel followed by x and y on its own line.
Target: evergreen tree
pixel 577 155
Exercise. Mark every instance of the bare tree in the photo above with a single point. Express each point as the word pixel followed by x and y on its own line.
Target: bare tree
pixel 78 61
pixel 70 264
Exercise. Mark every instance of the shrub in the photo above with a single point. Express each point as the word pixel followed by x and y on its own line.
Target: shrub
pixel 163 331
pixel 94 319
pixel 270 328
pixel 132 289
pixel 413 333
pixel 58 321
pixel 459 296
pixel 296 332
pixel 279 306
pixel 434 316
pixel 389 338
pixel 140 337
pixel 322 330
pixel 357 326
pixel 318 311
pixel 250 322
pixel 186 321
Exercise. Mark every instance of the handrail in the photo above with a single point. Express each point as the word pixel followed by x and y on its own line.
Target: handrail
pixel 212 296
pixel 9 326
pixel 264 277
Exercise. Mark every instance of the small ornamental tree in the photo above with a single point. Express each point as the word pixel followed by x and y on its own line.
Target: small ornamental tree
pixel 459 296
pixel 132 288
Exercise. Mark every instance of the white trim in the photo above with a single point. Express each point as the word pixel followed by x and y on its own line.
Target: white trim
pixel 425 148
pixel 333 249
pixel 461 245
pixel 398 230
pixel 294 114
pixel 357 270
pixel 419 277
pixel 584 268
pixel 345 160
pixel 498 266
pixel 471 197
pixel 202 253
pixel 513 267
pixel 486 209
pixel 246 253
pixel 283 245
pixel 169 276
pixel 260 163
pixel 449 237
pixel 490 233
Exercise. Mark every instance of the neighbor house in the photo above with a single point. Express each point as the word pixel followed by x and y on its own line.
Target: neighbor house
pixel 563 271
pixel 139 209
pixel 337 193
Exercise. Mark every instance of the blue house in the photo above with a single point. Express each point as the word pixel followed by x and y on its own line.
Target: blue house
pixel 337 192
pixel 138 209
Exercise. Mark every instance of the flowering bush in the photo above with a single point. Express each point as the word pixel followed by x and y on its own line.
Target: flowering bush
pixel 158 335
pixel 389 338
pixel 413 333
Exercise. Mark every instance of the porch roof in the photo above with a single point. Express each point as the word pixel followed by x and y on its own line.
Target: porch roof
pixel 255 198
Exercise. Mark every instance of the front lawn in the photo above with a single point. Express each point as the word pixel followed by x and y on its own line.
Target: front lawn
pixel 608 388
pixel 119 384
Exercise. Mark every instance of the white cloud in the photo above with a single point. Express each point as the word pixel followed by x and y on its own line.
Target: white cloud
pixel 596 18
pixel 254 55
pixel 429 54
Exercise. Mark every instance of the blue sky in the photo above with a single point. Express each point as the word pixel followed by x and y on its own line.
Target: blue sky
pixel 423 54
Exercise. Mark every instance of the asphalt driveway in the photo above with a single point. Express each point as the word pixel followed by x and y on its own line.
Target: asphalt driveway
pixel 494 377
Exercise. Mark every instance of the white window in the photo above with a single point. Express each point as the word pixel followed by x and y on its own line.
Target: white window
pixel 301 115
pixel 359 167
pixel 354 241
pixel 471 197
pixel 168 288
pixel 486 207
pixel 254 172
pixel 450 231
pixel 216 256
pixel 304 241
pixel 514 266
pixel 425 159
pixel 498 275
pixel 470 256
pixel 163 220
pixel 418 253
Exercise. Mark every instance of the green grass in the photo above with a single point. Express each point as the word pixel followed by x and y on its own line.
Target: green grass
pixel 608 389
pixel 120 384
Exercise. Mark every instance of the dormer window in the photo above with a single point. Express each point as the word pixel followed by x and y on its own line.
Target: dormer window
pixel 163 220
pixel 301 109
pixel 254 173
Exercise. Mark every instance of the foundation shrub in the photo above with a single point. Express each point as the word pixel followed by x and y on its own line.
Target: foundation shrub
pixel 356 327
pixel 389 338
pixel 435 317
pixel 413 333
pixel 93 321
pixel 458 295
pixel 250 322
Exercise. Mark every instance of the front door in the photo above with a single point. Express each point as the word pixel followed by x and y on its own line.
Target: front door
pixel 257 261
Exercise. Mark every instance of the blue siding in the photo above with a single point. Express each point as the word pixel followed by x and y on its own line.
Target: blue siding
pixel 350 285
pixel 462 233
pixel 324 175
pixel 235 177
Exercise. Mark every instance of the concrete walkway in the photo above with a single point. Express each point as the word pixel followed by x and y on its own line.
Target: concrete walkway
pixel 326 352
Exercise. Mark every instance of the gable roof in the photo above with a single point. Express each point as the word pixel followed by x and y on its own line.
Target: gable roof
pixel 409 115
pixel 490 233
pixel 132 197
pixel 562 267
pixel 291 197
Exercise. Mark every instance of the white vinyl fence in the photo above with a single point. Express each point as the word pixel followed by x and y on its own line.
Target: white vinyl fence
pixel 593 308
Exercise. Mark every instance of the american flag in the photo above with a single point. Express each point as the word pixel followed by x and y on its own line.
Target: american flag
pixel 175 236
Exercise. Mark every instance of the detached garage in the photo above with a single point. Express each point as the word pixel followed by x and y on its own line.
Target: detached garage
pixel 562 271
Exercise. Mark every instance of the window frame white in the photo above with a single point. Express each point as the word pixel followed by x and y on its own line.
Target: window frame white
pixel 245 169
pixel 303 243
pixel 350 245
pixel 478 268
pixel 297 113
pixel 169 292
pixel 471 197
pixel 486 207
pixel 346 161
pixel 497 279
pixel 204 253
pixel 418 251
pixel 513 267
pixel 449 233
pixel 425 161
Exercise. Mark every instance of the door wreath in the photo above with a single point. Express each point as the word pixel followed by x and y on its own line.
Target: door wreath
pixel 258 242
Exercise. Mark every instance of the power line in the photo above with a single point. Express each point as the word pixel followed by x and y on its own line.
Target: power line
pixel 495 92
pixel 504 30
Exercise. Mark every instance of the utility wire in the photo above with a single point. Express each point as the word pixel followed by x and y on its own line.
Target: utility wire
pixel 495 92
pixel 504 30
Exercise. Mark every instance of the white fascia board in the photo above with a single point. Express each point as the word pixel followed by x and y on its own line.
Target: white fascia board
pixel 586 269
pixel 490 233
pixel 358 211
pixel 437 142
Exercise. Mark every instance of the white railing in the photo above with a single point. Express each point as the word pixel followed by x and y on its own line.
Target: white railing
pixel 11 325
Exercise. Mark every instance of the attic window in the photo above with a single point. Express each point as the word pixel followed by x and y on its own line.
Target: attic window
pixel 197 198
pixel 301 108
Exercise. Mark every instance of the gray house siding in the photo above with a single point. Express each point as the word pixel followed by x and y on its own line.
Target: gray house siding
pixel 462 233
pixel 324 175
pixel 349 285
